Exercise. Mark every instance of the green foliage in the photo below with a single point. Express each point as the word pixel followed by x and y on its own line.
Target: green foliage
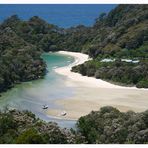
pixel 6 123
pixel 109 125
pixel 118 71
pixel 143 83
pixel 20 61
pixel 55 136
pixel 124 27
pixel 22 127
pixel 7 128
pixel 30 136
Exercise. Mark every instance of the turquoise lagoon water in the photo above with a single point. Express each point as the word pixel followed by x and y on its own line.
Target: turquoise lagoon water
pixel 32 95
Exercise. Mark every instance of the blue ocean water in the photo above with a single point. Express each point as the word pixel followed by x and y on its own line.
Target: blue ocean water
pixel 63 15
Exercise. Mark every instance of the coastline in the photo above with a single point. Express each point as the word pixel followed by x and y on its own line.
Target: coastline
pixel 92 94
pixel 88 81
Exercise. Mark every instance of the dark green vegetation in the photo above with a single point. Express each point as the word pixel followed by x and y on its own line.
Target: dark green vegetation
pixel 105 126
pixel 118 71
pixel 123 33
pixel 109 125
pixel 120 33
pixel 21 45
pixel 23 127
pixel 19 59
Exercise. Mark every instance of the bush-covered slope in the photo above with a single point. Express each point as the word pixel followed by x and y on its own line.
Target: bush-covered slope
pixel 108 125
pixel 20 61
pixel 22 127
pixel 35 31
pixel 121 34
pixel 125 27
pixel 21 45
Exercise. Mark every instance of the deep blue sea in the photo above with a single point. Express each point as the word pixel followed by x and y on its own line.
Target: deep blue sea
pixel 63 15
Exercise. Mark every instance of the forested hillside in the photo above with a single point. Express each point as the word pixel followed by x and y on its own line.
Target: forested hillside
pixel 108 125
pixel 120 36
pixel 124 29
pixel 21 45
pixel 22 127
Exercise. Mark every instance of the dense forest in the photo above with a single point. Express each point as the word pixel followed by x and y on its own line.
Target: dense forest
pixel 108 125
pixel 20 61
pixel 21 45
pixel 122 33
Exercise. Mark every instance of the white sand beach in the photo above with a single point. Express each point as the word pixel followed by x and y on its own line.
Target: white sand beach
pixel 83 80
pixel 91 94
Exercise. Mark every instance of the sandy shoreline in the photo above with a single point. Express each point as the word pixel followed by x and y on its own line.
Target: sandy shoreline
pixel 87 81
pixel 91 94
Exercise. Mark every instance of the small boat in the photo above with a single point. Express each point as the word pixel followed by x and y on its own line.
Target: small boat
pixel 45 107
pixel 64 113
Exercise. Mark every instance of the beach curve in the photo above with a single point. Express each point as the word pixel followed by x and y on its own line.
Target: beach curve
pixel 80 58
pixel 92 94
